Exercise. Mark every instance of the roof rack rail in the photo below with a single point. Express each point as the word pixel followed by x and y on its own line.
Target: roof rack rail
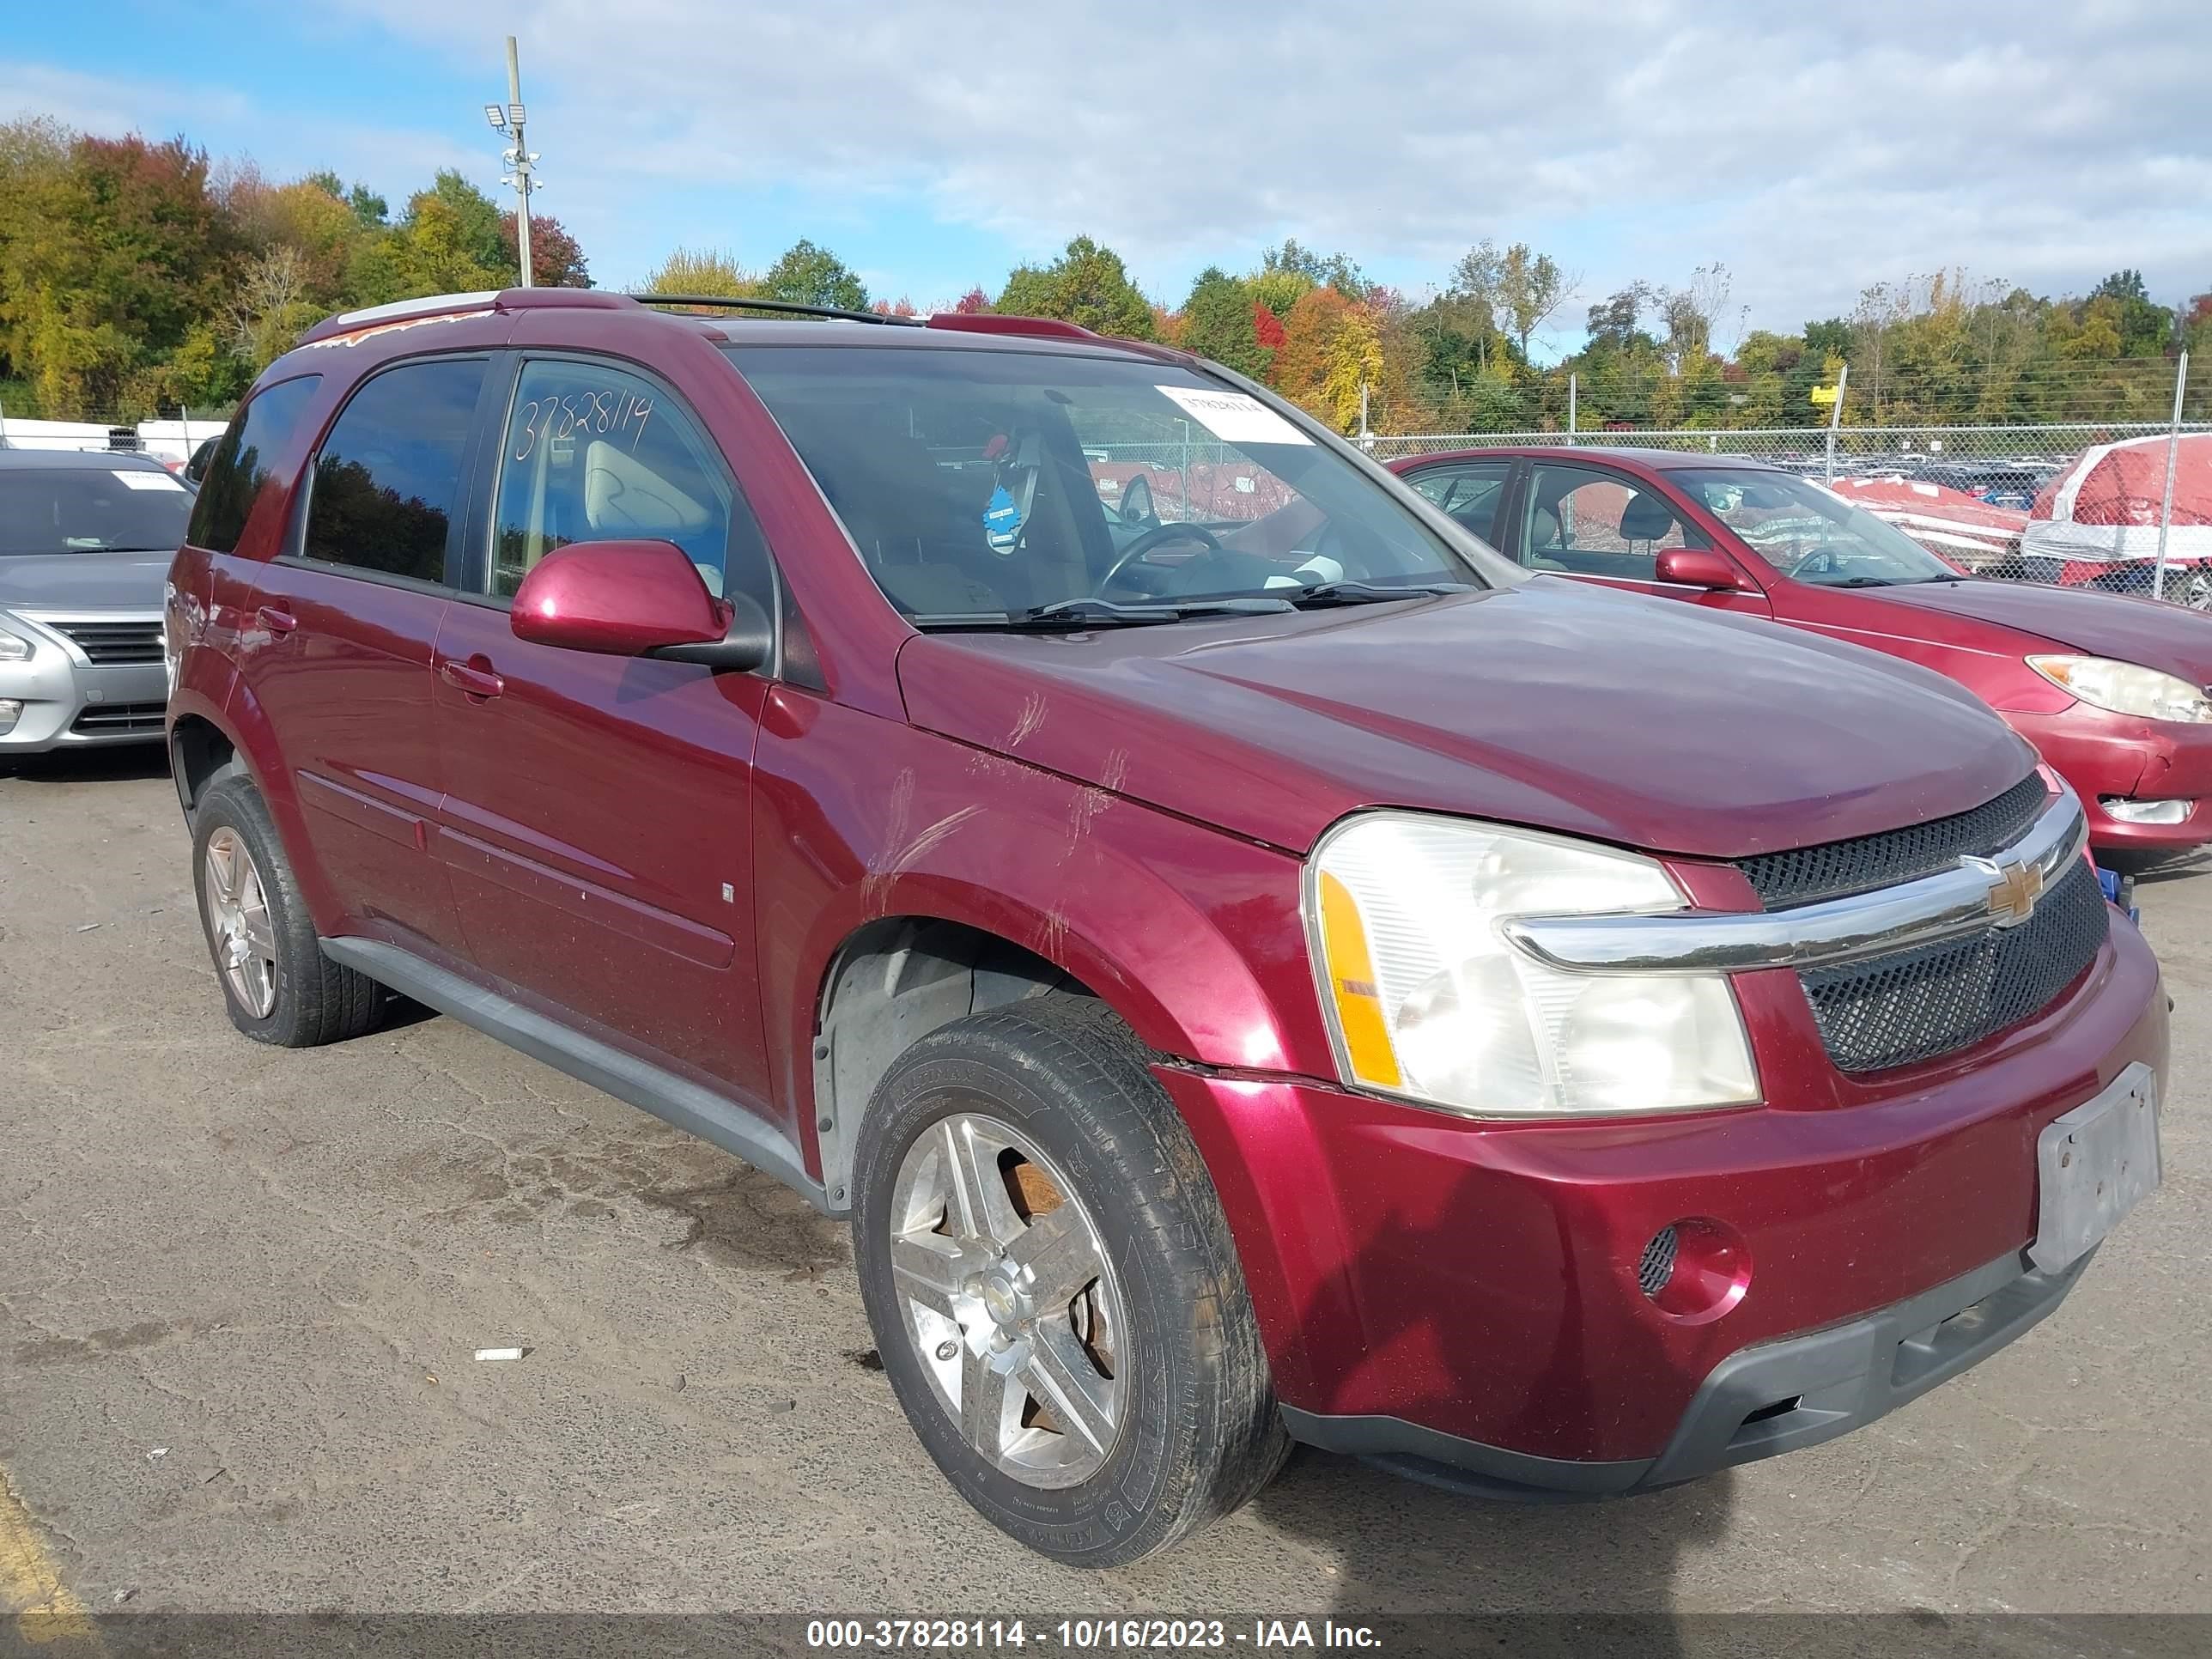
pixel 453 305
pixel 784 307
pixel 1048 328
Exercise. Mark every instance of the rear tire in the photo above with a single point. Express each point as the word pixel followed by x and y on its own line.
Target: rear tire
pixel 1179 1410
pixel 277 984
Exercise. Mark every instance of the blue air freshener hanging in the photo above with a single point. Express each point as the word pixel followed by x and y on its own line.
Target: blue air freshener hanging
pixel 1002 521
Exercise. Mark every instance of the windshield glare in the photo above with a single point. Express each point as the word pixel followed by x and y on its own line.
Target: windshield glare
pixel 91 510
pixel 1809 534
pixel 982 484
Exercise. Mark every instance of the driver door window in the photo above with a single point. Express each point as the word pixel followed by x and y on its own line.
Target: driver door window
pixel 1587 522
pixel 593 453
pixel 1469 492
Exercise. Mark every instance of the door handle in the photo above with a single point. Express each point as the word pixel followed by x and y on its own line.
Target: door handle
pixel 278 621
pixel 469 678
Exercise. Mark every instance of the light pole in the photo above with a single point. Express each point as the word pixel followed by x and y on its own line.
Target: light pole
pixel 508 121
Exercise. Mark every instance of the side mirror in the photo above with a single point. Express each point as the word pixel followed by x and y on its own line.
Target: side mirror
pixel 638 599
pixel 1696 567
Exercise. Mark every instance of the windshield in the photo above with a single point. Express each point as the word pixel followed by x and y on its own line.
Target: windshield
pixel 91 510
pixel 1808 533
pixel 984 487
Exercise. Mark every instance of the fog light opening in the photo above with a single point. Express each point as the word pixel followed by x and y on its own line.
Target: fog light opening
pixel 1694 1270
pixel 2119 807
pixel 11 710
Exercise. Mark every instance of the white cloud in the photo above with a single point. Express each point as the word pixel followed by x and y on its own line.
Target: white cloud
pixel 1813 151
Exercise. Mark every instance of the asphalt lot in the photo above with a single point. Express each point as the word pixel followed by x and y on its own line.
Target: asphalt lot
pixel 277 1266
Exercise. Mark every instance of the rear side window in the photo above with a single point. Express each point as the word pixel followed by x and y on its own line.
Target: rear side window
pixel 241 460
pixel 389 478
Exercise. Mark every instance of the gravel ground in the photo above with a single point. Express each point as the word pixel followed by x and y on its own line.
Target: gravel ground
pixel 240 1289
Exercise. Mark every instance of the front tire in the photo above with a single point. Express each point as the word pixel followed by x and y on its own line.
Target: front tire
pixel 1053 1287
pixel 278 986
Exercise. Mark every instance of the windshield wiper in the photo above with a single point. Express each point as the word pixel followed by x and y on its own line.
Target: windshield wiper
pixel 1077 614
pixel 1359 592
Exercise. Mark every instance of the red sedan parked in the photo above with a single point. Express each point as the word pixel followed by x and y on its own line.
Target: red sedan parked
pixel 2110 689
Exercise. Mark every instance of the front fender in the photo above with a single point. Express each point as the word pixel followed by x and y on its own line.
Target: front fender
pixel 1192 935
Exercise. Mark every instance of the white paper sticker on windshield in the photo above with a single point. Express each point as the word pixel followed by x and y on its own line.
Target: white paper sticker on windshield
pixel 147 481
pixel 1235 417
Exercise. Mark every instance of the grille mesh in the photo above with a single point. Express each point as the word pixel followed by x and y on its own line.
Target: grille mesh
pixel 1657 1266
pixel 106 643
pixel 110 718
pixel 1916 1005
pixel 1866 862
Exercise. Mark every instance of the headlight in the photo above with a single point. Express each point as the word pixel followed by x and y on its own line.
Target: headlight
pixel 2126 687
pixel 14 647
pixel 1426 1000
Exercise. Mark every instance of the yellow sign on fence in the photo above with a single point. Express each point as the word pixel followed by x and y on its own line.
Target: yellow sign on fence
pixel 1824 394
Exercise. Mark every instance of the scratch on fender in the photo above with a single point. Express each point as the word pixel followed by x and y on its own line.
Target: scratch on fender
pixel 876 887
pixel 1026 722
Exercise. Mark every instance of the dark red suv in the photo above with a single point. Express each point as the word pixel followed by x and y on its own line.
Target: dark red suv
pixel 1276 973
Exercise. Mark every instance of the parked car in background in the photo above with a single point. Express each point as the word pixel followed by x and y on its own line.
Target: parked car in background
pixel 86 538
pixel 2110 690
pixel 1290 978
pixel 2096 523
pixel 1966 533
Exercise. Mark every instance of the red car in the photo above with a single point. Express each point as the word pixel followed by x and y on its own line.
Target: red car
pixel 2110 690
pixel 1241 982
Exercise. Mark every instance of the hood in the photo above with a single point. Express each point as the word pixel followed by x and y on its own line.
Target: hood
pixel 2097 624
pixel 1552 704
pixel 98 581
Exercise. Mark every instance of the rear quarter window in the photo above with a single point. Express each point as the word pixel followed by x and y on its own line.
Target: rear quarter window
pixel 243 460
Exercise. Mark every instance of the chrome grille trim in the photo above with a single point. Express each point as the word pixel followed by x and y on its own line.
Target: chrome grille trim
pixel 1948 905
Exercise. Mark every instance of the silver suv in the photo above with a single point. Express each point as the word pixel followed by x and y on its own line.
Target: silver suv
pixel 85 544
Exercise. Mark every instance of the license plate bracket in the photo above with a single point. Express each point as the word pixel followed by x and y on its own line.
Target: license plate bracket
pixel 2094 1164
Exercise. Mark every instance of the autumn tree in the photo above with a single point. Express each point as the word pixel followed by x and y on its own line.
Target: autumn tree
pixel 111 257
pixel 709 271
pixel 1087 285
pixel 556 259
pixel 1330 349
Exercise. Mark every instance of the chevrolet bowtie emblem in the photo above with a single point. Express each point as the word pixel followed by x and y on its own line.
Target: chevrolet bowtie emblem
pixel 2015 886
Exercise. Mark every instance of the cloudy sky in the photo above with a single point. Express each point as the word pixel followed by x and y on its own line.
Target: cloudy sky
pixel 1811 150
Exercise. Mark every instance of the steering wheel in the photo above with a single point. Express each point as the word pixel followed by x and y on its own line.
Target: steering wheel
pixel 1823 558
pixel 1153 537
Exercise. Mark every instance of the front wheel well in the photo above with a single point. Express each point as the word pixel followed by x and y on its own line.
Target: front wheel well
pixel 198 755
pixel 892 983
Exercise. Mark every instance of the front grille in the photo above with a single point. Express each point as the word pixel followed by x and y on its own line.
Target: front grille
pixel 113 643
pixel 113 719
pixel 1866 862
pixel 1935 999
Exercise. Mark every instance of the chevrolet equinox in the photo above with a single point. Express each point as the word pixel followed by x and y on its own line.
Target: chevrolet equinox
pixel 1251 963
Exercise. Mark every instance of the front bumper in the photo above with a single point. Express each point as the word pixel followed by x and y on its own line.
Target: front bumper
pixel 1466 1294
pixel 1779 1397
pixel 2125 757
pixel 70 702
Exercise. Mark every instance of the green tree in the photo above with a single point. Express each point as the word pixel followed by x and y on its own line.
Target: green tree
pixel 1087 285
pixel 1217 323
pixel 811 275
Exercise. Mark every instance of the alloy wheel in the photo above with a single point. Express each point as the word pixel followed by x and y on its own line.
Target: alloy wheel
pixel 241 935
pixel 1007 1294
